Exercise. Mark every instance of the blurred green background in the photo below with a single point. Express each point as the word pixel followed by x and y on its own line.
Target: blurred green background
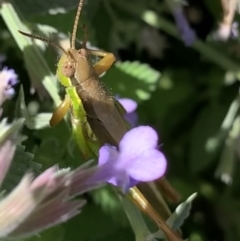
pixel 190 95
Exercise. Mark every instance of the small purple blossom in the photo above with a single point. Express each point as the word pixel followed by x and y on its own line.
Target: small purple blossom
pixel 8 78
pixel 130 106
pixel 234 30
pixel 187 34
pixel 226 31
pixel 136 160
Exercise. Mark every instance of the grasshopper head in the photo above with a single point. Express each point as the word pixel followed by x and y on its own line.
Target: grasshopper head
pixel 68 64
pixel 80 64
pixel 76 64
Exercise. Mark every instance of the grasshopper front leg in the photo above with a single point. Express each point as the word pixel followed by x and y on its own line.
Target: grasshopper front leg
pixel 60 111
pixel 107 58
pixel 105 63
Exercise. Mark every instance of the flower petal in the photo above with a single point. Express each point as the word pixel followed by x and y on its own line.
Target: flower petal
pixel 55 211
pixel 16 207
pixel 128 104
pixel 7 151
pixel 107 153
pixel 136 141
pixel 187 34
pixel 108 156
pixel 133 182
pixel 148 167
pixel 123 181
pixel 117 180
pixel 132 119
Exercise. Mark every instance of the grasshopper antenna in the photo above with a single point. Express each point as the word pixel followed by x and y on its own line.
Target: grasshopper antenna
pixel 43 39
pixel 74 32
pixel 84 44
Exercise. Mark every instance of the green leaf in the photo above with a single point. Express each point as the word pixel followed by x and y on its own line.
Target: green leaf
pixel 29 8
pixel 67 20
pixel 10 131
pixel 21 109
pixel 106 198
pixel 92 224
pixel 122 28
pixel 102 33
pixel 228 158
pixel 120 235
pixel 41 76
pixel 39 121
pixel 54 147
pixel 42 79
pixel 61 133
pixel 21 163
pixel 32 122
pixel 18 167
pixel 214 7
pixel 54 233
pixel 134 80
pixel 203 139
pixel 176 220
pixel 136 220
pixel 49 152
pixel 174 91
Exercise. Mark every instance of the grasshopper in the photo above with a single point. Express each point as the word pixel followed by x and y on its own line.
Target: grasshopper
pixel 102 111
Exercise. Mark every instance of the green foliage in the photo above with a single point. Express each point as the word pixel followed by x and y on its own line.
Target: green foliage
pixel 94 220
pixel 204 144
pixel 186 94
pixel 32 122
pixel 106 198
pixel 21 163
pixel 132 79
pixel 176 220
pixel 29 8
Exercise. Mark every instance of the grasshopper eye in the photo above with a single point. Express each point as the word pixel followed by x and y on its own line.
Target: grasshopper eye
pixel 83 52
pixel 68 69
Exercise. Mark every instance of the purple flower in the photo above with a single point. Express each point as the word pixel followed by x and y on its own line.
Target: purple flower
pixel 234 30
pixel 187 34
pixel 47 200
pixel 136 160
pixel 226 31
pixel 8 79
pixel 44 204
pixel 130 106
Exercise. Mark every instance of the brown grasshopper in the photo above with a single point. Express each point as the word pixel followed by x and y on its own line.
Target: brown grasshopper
pixel 104 113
